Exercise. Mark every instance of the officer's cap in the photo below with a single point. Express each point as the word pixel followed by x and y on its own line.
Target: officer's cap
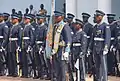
pixel 99 13
pixel 70 16
pixel 65 19
pixel 38 16
pixel 111 15
pixel 78 21
pixel 6 14
pixel 1 14
pixel 29 16
pixel 86 14
pixel 48 16
pixel 15 16
pixel 58 13
pixel 20 15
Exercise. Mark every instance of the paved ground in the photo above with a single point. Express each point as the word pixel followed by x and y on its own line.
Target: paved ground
pixel 4 78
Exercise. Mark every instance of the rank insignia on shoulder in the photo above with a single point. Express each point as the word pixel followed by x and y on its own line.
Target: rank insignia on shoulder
pixel 6 26
pixel 33 28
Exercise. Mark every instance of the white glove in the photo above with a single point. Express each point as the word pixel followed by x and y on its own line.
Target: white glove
pixel 65 56
pixel 40 50
pixel 105 51
pixel 114 49
pixel 111 48
pixel 1 50
pixel 29 49
pixel 19 49
pixel 53 52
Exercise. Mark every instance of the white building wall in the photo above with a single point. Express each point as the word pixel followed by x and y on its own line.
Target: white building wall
pixel 71 6
pixel 88 6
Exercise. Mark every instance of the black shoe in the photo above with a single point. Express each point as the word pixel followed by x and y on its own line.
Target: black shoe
pixel 24 77
pixel 15 75
pixel 41 78
pixel 48 78
pixel 35 77
pixel 9 75
pixel 1 74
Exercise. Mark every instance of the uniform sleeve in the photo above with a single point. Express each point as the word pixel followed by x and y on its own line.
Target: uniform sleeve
pixel 67 37
pixel 107 36
pixel 20 34
pixel 116 35
pixel 92 39
pixel 91 30
pixel 45 35
pixel 84 43
pixel 5 35
pixel 32 36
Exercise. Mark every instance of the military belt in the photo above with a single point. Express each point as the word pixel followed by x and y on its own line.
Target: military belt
pixel 112 38
pixel 13 39
pixel 88 37
pixel 118 37
pixel 98 39
pixel 39 42
pixel 1 37
pixel 76 44
pixel 26 38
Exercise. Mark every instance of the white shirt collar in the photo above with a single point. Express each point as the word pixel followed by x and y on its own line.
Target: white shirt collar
pixel 61 22
pixel 28 24
pixel 42 24
pixel 16 24
pixel 2 22
pixel 79 30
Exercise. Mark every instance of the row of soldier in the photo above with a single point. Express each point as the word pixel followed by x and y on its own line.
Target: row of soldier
pixel 23 41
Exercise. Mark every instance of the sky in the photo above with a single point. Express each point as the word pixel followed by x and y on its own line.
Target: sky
pixel 8 5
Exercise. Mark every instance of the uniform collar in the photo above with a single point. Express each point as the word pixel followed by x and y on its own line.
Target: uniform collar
pixel 79 30
pixel 28 24
pixel 100 23
pixel 2 22
pixel 15 24
pixel 42 24
pixel 60 23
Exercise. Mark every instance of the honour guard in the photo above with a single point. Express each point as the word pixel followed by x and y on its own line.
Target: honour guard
pixel 87 28
pixel 61 48
pixel 4 30
pixel 79 49
pixel 15 41
pixel 27 45
pixel 111 56
pixel 40 40
pixel 100 41
pixel 70 18
pixel 7 19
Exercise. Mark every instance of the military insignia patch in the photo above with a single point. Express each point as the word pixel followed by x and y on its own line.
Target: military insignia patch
pixel 99 32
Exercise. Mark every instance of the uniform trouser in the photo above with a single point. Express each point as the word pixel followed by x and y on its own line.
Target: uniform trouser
pixel 49 68
pixel 24 63
pixel 2 61
pixel 110 62
pixel 39 64
pixel 81 70
pixel 60 69
pixel 100 66
pixel 13 63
